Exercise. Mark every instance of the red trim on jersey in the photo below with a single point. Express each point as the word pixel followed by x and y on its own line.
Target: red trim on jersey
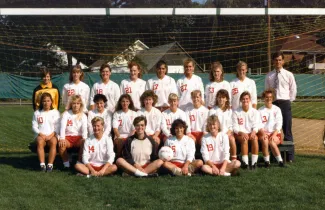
pixel 219 165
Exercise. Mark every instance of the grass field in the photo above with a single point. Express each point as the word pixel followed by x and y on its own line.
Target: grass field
pixel 299 186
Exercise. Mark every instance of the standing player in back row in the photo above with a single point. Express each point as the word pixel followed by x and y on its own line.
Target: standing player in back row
pixel 216 83
pixel 187 83
pixel 241 84
pixel 134 86
pixel 162 85
pixel 284 84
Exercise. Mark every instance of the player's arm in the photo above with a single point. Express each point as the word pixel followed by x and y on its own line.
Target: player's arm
pixel 185 167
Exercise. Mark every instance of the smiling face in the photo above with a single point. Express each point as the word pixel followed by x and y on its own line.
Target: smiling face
pixel 46 102
pixel 241 72
pixel 189 69
pixel 222 101
pixel 76 76
pixel 148 103
pixel 161 71
pixel 214 128
pixel 278 62
pixel 173 104
pixel 197 100
pixel 217 72
pixel 134 73
pixel 179 131
pixel 245 100
pixel 75 105
pixel 140 128
pixel 46 79
pixel 98 128
pixel 125 104
pixel 268 99
pixel 105 74
pixel 100 104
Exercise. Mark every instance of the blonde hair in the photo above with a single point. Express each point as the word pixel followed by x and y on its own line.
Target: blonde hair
pixel 239 65
pixel 211 120
pixel 196 92
pixel 97 119
pixel 77 98
pixel 172 96
pixel 187 61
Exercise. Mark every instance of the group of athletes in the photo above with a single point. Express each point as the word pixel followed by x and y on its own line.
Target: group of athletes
pixel 131 122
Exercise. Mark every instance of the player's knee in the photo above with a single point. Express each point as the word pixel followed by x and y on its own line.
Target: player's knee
pixel 113 168
pixel 237 164
pixel 199 163
pixel 205 168
pixel 119 161
pixel 159 162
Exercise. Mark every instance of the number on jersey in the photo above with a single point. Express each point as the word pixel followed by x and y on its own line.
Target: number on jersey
pixel 210 147
pixel 120 123
pixel 69 123
pixel 128 90
pixel 184 87
pixel 264 119
pixel 40 119
pixel 211 89
pixel 91 149
pixel 155 86
pixel 173 148
pixel 240 121
pixel 234 91
pixel 99 91
pixel 192 117
pixel 70 92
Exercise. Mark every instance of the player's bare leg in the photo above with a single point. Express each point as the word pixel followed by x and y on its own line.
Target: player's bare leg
pixel 130 168
pixel 110 170
pixel 82 168
pixel 233 147
pixel 154 166
pixel 52 153
pixel 244 150
pixel 40 149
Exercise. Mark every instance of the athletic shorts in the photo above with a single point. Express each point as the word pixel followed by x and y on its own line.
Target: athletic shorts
pixel 236 136
pixel 198 136
pixel 178 164
pixel 97 168
pixel 74 140
pixel 279 138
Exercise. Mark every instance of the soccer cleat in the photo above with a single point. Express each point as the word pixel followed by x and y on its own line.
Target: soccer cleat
pixel 253 167
pixel 245 166
pixel 66 168
pixel 43 168
pixel 281 164
pixel 267 164
pixel 49 169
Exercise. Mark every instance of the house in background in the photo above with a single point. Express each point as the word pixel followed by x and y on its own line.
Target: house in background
pixel 303 53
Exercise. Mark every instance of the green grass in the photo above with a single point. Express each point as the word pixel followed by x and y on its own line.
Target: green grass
pixel 301 185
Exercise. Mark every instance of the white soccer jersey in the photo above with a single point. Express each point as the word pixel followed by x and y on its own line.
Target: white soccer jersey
pixel 98 152
pixel 211 90
pixel 185 86
pixel 162 88
pixel 123 121
pixel 215 149
pixel 153 117
pixel 73 125
pixel 134 89
pixel 71 89
pixel 111 90
pixel 168 117
pixel 238 87
pixel 245 122
pixel 184 149
pixel 198 118
pixel 225 118
pixel 46 122
pixel 106 115
pixel 271 119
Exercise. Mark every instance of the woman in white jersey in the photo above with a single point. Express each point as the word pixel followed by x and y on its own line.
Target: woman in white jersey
pixel 170 115
pixel 198 115
pixel 183 162
pixel 153 115
pixel 270 132
pixel 215 151
pixel 187 83
pixel 140 156
pixel 246 123
pixel 134 86
pixel 98 152
pixel 106 87
pixel 73 129
pixel 46 126
pixel 216 83
pixel 162 85
pixel 123 121
pixel 224 113
pixel 76 86
pixel 100 100
pixel 241 84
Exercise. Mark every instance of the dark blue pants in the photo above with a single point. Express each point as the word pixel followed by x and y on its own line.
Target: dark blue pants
pixel 285 106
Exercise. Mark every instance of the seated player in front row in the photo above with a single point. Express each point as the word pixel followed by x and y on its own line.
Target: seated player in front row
pixel 198 115
pixel 245 125
pixel 270 133
pixel 215 151
pixel 123 121
pixel 140 155
pixel 46 126
pixel 224 113
pixel 73 129
pixel 148 100
pixel 100 110
pixel 98 154
pixel 183 162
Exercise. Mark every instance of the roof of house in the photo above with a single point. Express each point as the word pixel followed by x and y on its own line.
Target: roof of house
pixel 301 43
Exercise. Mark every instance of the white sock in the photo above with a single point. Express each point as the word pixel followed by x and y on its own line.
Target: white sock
pixel 66 164
pixel 227 174
pixel 42 164
pixel 50 165
pixel 254 159
pixel 278 158
pixel 245 159
pixel 267 158
pixel 140 173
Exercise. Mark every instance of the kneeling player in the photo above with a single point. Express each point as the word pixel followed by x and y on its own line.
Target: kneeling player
pixel 140 152
pixel 215 151
pixel 270 133
pixel 183 162
pixel 98 154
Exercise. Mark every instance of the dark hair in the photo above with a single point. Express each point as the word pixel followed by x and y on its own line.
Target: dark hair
pixel 128 97
pixel 160 63
pixel 147 94
pixel 277 54
pixel 268 91
pixel 44 95
pixel 74 69
pixel 99 97
pixel 178 123
pixel 139 119
pixel 45 71
pixel 104 66
pixel 131 64
pixel 223 93
pixel 215 65
pixel 245 93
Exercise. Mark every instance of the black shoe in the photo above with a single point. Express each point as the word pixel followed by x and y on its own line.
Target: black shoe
pixel 152 175
pixel 281 164
pixel 245 166
pixel 43 168
pixel 49 169
pixel 267 164
pixel 65 169
pixel 253 167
